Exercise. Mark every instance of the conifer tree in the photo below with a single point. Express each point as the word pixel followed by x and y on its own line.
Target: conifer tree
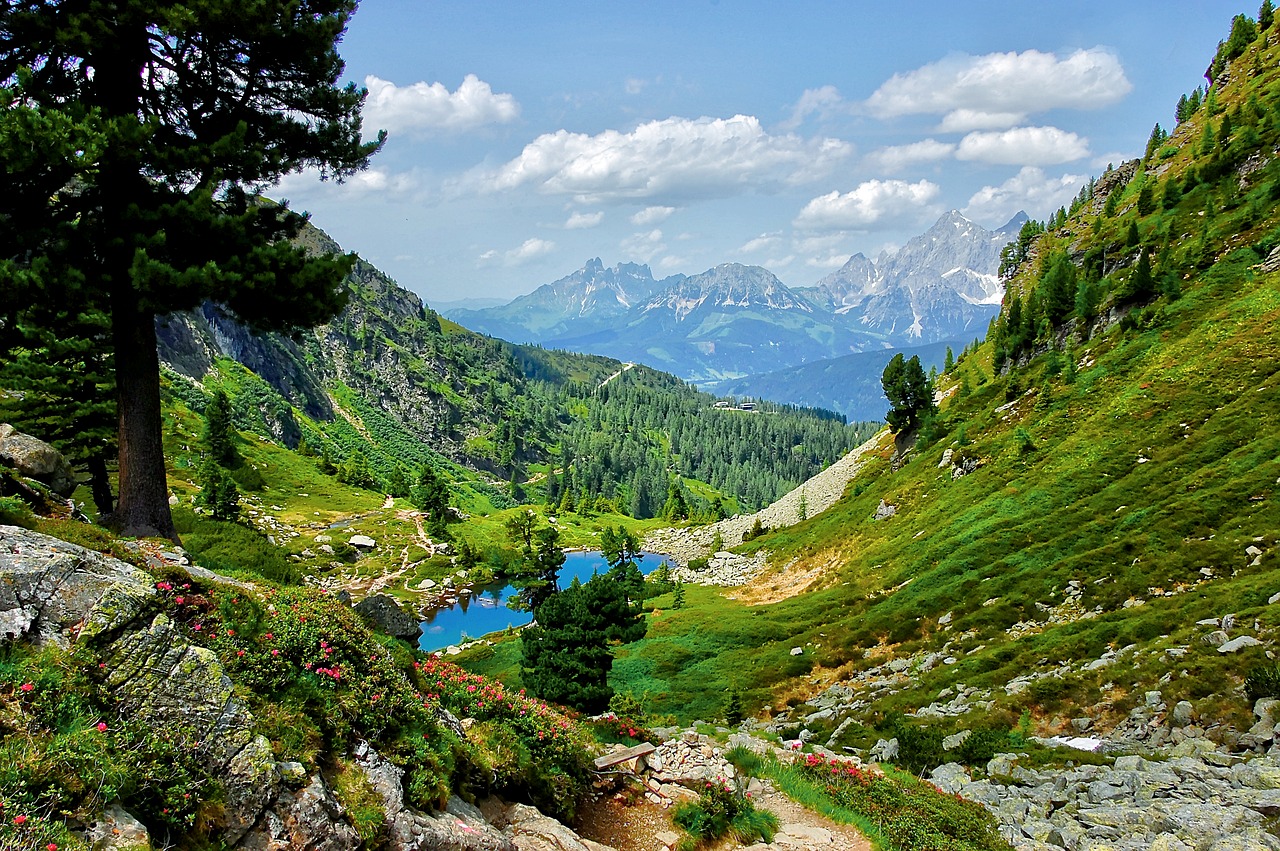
pixel 57 368
pixel 908 392
pixel 1266 15
pixel 218 433
pixel 218 492
pixel 183 109
pixel 677 596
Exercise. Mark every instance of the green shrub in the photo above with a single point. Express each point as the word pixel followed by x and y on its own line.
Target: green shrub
pixel 1262 681
pixel 15 512
pixel 720 810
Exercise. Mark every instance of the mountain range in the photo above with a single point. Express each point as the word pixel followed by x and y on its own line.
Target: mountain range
pixel 736 320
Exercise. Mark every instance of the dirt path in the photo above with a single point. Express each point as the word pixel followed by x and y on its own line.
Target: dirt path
pixel 638 827
pixel 625 368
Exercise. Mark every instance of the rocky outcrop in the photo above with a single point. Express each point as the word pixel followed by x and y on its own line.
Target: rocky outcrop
pixel 51 590
pixel 530 830
pixel 32 458
pixel 309 818
pixel 461 827
pixel 387 616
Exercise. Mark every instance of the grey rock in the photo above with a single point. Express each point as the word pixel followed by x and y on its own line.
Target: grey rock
pixel 1183 713
pixel 950 743
pixel 531 830
pixel 950 777
pixel 388 616
pixel 309 818
pixel 885 750
pixel 117 830
pixel 48 586
pixel 1238 643
pixel 363 542
pixel 884 511
pixel 32 458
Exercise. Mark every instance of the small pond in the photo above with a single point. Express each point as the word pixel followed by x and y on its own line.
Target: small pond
pixel 486 610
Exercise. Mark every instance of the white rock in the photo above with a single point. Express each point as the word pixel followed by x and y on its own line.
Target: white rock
pixel 797 651
pixel 362 541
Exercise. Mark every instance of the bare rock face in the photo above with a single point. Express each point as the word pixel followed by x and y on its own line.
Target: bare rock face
pixel 309 818
pixel 32 458
pixel 117 830
pixel 387 616
pixel 48 587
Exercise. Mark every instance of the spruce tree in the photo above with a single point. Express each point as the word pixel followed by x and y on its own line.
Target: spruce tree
pixel 218 433
pixel 218 492
pixel 1266 15
pixel 677 597
pixel 181 110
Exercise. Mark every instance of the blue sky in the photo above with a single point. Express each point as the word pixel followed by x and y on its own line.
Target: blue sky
pixel 525 138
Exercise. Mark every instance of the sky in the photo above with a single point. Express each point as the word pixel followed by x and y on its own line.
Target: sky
pixel 526 138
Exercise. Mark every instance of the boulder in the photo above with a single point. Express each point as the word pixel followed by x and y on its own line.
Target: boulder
pixel 386 614
pixel 1238 643
pixel 48 586
pixel 32 458
pixel 885 750
pixel 117 830
pixel 364 542
pixel 884 511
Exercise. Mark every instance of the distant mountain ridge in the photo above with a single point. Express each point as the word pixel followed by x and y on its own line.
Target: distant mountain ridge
pixel 736 320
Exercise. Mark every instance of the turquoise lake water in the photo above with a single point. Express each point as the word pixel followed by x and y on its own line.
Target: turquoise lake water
pixel 486 610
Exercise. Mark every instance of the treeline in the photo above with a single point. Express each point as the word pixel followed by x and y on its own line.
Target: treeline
pixel 630 441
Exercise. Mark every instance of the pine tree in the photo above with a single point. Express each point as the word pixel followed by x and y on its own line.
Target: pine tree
pixel 949 361
pixel 1266 14
pixel 167 116
pixel 677 597
pixel 733 712
pixel 1146 200
pixel 57 369
pixel 218 492
pixel 1058 286
pixel 908 392
pixel 1172 193
pixel 218 433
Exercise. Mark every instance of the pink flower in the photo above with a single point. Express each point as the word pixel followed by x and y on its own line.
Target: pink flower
pixel 179 600
pixel 275 652
pixel 51 847
pixel 19 820
pixel 26 687
pixel 102 726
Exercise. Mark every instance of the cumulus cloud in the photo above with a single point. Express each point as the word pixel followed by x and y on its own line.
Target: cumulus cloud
pixel 651 216
pixel 530 249
pixel 899 157
pixel 675 158
pixel 430 107
pixel 1023 146
pixel 1030 189
pixel 582 221
pixel 872 203
pixel 763 242
pixel 1004 83
pixel 964 120
pixel 823 101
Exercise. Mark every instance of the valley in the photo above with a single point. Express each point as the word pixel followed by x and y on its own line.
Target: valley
pixel 1038 610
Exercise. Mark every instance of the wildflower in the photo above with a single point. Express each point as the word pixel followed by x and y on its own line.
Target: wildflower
pixel 275 652
pixel 102 726
pixel 179 600
pixel 19 820
pixel 26 687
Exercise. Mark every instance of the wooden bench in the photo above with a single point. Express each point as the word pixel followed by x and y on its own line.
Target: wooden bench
pixel 611 759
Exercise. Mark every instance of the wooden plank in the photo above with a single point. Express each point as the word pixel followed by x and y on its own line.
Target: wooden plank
pixel 611 759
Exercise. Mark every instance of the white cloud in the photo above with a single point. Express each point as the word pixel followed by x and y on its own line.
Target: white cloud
pixel 1021 83
pixel 651 216
pixel 1030 189
pixel 1023 146
pixel 307 183
pixel 675 158
pixel 828 260
pixel 823 101
pixel 870 204
pixel 530 249
pixel 582 221
pixel 643 246
pixel 899 157
pixel 430 107
pixel 634 85
pixel 1112 159
pixel 964 120
pixel 763 242
pixel 775 263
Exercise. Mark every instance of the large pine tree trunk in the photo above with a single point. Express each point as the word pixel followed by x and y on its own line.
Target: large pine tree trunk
pixel 143 506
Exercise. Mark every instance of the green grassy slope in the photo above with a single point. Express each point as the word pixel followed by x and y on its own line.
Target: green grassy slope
pixel 1136 453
